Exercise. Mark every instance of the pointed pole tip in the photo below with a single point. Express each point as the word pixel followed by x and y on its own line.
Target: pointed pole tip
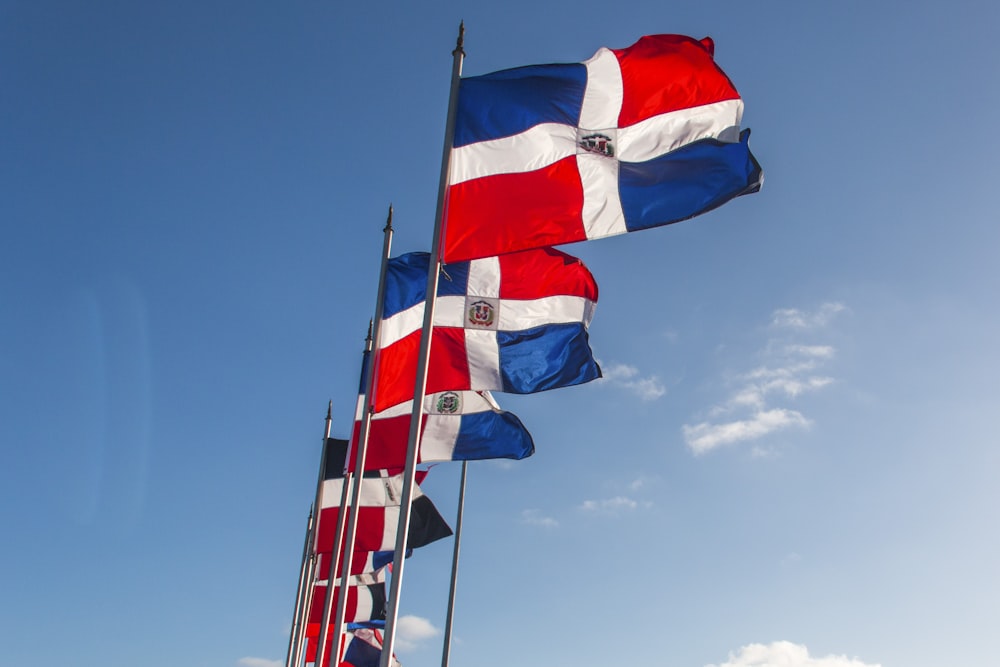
pixel 388 221
pixel 329 409
pixel 460 45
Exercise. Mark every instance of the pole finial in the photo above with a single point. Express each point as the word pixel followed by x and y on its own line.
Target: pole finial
pixel 329 409
pixel 388 221
pixel 460 44
pixel 368 338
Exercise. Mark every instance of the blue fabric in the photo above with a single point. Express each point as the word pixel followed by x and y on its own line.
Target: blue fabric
pixel 511 101
pixel 406 281
pixel 686 182
pixel 556 355
pixel 492 435
pixel 360 653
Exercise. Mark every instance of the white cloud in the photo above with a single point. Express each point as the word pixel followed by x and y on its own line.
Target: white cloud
pixel 609 504
pixel 704 437
pixel 784 371
pixel 822 351
pixel 534 517
pixel 412 630
pixel 787 654
pixel 793 387
pixel 259 662
pixel 794 318
pixel 788 372
pixel 627 377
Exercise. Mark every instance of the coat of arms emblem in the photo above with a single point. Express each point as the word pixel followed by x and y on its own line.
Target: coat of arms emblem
pixel 481 314
pixel 448 403
pixel 598 143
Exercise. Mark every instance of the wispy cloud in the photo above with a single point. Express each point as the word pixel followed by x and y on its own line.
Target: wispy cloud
pixel 534 517
pixel 412 631
pixel 706 436
pixel 627 377
pixel 787 654
pixel 610 505
pixel 790 369
pixel 794 318
pixel 625 496
pixel 259 662
pixel 638 483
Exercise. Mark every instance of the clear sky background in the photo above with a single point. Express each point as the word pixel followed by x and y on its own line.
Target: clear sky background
pixel 793 454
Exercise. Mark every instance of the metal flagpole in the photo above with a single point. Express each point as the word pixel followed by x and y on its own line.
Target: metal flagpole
pixel 446 651
pixel 362 444
pixel 331 572
pixel 420 385
pixel 317 508
pixel 306 605
pixel 303 577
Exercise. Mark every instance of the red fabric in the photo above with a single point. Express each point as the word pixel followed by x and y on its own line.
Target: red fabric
pixel 507 212
pixel 664 73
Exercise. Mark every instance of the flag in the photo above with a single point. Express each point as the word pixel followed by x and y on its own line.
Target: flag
pixel 457 426
pixel 362 648
pixel 378 513
pixel 366 601
pixel 632 138
pixel 515 323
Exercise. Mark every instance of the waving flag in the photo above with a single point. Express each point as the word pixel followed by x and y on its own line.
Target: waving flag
pixel 366 601
pixel 632 138
pixel 457 426
pixel 378 513
pixel 515 323
pixel 363 648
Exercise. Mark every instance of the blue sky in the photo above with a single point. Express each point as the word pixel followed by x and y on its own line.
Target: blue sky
pixel 790 457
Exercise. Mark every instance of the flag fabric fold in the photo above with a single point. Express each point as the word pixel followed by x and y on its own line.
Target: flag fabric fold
pixel 363 562
pixel 631 139
pixel 515 323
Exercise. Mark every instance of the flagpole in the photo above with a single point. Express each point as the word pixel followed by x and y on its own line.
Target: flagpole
pixel 338 543
pixel 446 651
pixel 317 508
pixel 307 596
pixel 303 577
pixel 366 416
pixel 420 386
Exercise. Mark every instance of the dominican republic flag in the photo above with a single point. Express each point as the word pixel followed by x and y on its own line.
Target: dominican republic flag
pixel 363 648
pixel 366 601
pixel 515 323
pixel 457 426
pixel 378 513
pixel 632 138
